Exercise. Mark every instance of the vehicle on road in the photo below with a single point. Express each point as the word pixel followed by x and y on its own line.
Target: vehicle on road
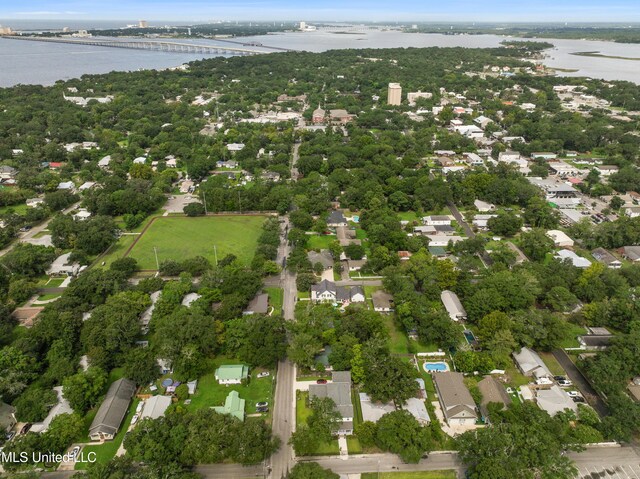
pixel 74 452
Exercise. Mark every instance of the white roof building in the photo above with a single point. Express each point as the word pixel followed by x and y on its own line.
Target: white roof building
pixel 483 206
pixel 578 261
pixel 104 162
pixel 443 240
pixel 418 410
pixel 61 266
pixel 453 305
pixel 373 411
pixel 560 238
pixel 555 400
pixel 530 364
pixel 155 407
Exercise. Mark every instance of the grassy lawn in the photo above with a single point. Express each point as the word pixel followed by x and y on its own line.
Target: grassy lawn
pixel 236 235
pixel 419 347
pixel 516 378
pixel 117 251
pixel 276 298
pixel 304 295
pixel 411 475
pixel 302 413
pixel 398 342
pixel 320 241
pixel 210 393
pixel 49 296
pixel 20 209
pixel 408 216
pixel 572 340
pixel 353 445
pixel 54 282
pixel 552 364
pixel 105 452
pixel 42 233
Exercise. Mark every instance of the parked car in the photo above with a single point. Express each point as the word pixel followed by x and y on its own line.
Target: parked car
pixel 74 452
pixel 262 409
pixel 25 428
pixel 559 378
pixel 265 374
pixel 573 394
pixel 321 381
pixel 578 399
pixel 564 383
pixel 262 404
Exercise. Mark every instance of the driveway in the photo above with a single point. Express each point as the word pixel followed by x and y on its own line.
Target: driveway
pixel 580 381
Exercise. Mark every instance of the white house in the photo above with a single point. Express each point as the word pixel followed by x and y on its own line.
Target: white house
pixel 560 239
pixel 435 220
pixel 453 305
pixel 104 162
pixel 443 240
pixel 328 291
pixel 483 206
pixel 82 215
pixel 482 221
pixel 577 261
pixel 235 147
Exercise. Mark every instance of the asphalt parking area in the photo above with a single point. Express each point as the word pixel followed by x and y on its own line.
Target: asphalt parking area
pixel 625 471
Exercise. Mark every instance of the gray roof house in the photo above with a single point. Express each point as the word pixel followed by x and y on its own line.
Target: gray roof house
pixel 603 256
pixel 112 410
pixel 632 253
pixel 258 305
pixel 339 389
pixel 373 411
pixel 492 392
pixel 453 305
pixel 336 218
pixel 382 301
pixel 598 338
pixel 530 364
pixel 328 291
pixel 323 257
pixel 458 406
pixel 555 400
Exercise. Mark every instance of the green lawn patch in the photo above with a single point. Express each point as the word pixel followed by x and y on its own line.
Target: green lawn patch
pixel 179 238
pixel 42 233
pixel 302 413
pixel 572 336
pixel 210 393
pixel 320 241
pixel 117 250
pixel 408 216
pixel 276 298
pixel 398 341
pixel 516 378
pixel 553 364
pixel 49 296
pixel 411 475
pixel 107 451
pixel 54 282
pixel 353 445
pixel 20 209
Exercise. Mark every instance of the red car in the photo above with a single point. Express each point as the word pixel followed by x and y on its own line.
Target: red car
pixel 321 381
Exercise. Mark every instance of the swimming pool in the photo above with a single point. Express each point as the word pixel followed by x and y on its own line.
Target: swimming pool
pixel 356 219
pixel 436 367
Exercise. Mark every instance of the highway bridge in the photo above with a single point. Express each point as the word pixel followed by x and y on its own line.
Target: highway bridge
pixel 150 45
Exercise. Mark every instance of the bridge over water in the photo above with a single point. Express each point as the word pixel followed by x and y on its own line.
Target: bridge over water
pixel 149 45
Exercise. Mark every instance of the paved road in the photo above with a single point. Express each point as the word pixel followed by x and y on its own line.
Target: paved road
pixel 22 237
pixel 484 256
pixel 576 376
pixel 284 407
pixel 388 463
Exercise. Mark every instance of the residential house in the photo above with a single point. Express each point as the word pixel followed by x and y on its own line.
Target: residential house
pixel 355 264
pixel 189 299
pixel 87 185
pixel 141 160
pixel 112 411
pixel 606 170
pixel 82 215
pixel 324 257
pixel 509 156
pixel 171 162
pixel 104 162
pixel 233 147
pixel 35 202
pixel 62 406
pixel 603 256
pixel 436 220
pixel 482 221
pixel 458 406
pixel 270 176
pixel 492 392
pixel 473 159
pixel 7 417
pixel 66 186
pixel 258 305
pixel 339 389
pixel 327 291
pixel 373 411
pixel 598 338
pixel 444 229
pixel 232 373
pixel 61 266
pixel 382 301
pixel 155 407
pixel 7 172
pixel 443 240
pixel 631 253
pixel 632 211
pixel 545 155
pixel 424 230
pixel 227 164
pixel 453 305
pixel 336 218
pixel 418 410
pixel 233 406
pixel 577 261
pixel 483 206
pixel 530 364
pixel 555 400
pixel 560 239
pixel 413 96
pixel 562 169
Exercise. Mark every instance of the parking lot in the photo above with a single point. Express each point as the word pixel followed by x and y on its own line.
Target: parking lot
pixel 627 471
pixel 176 203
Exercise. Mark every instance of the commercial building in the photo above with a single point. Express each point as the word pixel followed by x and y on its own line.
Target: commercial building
pixel 394 94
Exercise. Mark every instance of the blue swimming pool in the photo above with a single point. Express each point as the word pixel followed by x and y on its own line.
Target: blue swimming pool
pixel 439 366
pixel 356 219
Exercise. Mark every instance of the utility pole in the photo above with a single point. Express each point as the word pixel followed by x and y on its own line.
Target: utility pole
pixel 155 250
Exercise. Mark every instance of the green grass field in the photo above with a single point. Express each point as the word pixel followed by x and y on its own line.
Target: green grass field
pixel 210 393
pixel 411 475
pixel 179 238
pixel 302 413
pixel 320 241
pixel 20 209
pixel 276 298
pixel 398 341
